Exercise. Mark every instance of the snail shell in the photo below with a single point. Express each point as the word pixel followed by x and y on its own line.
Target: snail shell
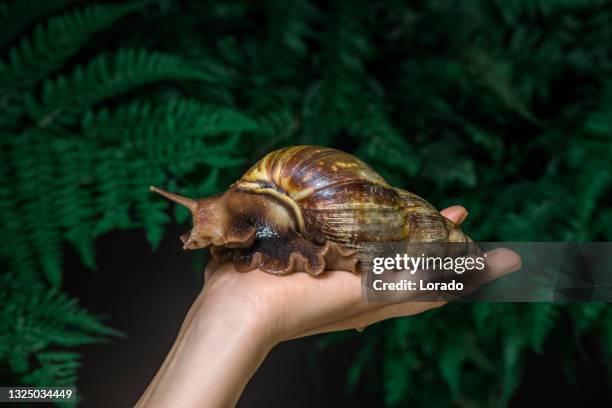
pixel 311 209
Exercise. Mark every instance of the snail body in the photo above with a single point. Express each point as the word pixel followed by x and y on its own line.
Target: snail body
pixel 310 208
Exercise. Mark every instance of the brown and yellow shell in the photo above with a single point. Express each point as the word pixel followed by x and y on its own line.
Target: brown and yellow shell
pixel 311 209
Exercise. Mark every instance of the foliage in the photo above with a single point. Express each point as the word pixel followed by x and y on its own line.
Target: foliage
pixel 37 326
pixel 504 107
pixel 81 143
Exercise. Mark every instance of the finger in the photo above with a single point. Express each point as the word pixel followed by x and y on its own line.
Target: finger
pixel 500 262
pixel 455 213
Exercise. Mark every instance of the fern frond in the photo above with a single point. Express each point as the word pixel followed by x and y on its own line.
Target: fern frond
pixel 290 30
pixel 34 164
pixel 18 253
pixel 17 15
pixel 72 195
pixel 36 323
pixel 451 361
pixel 56 369
pixel 104 77
pixel 174 119
pixel 51 44
pixel 177 135
pixel 543 318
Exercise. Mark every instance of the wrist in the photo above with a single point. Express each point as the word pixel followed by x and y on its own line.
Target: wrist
pixel 233 300
pixel 235 315
pixel 218 350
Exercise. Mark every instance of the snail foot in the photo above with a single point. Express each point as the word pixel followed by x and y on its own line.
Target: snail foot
pixel 284 254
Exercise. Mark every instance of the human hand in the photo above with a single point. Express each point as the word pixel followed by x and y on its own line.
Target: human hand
pixel 239 317
pixel 297 305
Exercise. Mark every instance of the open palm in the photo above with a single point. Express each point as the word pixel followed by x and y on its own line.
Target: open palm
pixel 299 304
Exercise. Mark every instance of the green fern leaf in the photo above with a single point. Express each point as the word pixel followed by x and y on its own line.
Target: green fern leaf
pixel 34 165
pixel 53 43
pixel 56 369
pixel 17 15
pixel 543 318
pixel 104 77
pixel 451 360
pixel 176 119
pixel 35 323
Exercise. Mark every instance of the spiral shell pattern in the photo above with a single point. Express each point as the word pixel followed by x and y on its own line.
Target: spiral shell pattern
pixel 335 196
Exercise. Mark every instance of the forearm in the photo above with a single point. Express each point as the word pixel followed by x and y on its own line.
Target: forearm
pixel 211 361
